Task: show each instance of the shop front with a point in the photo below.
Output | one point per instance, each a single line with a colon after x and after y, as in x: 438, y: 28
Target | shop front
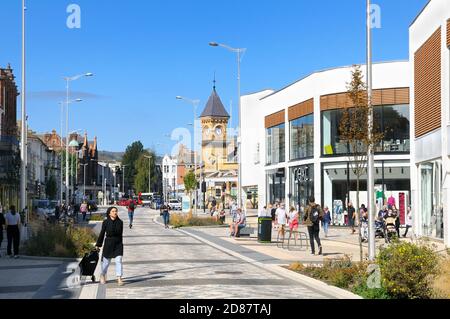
x: 431, y: 215
x: 276, y: 181
x: 339, y: 187
x: 301, y: 185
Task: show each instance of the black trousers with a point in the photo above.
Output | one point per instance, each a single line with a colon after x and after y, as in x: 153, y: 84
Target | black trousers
x: 314, y: 234
x: 13, y: 235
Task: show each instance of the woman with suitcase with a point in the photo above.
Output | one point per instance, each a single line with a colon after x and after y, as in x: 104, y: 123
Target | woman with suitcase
x: 111, y: 234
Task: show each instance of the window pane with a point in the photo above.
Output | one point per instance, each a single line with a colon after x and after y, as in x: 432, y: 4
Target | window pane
x: 275, y: 144
x: 396, y: 128
x: 302, y: 137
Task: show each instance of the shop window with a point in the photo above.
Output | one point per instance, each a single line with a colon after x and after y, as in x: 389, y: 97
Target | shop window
x: 302, y: 137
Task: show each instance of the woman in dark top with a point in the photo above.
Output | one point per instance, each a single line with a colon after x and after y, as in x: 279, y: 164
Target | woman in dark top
x: 112, y: 230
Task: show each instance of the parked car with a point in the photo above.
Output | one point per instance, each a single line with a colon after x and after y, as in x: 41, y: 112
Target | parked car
x: 175, y: 204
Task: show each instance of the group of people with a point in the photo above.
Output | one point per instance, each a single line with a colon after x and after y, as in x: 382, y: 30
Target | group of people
x: 390, y: 215
x: 11, y: 221
x: 311, y: 216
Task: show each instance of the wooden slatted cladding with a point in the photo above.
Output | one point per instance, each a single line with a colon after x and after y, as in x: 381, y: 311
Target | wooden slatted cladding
x: 301, y: 109
x: 275, y: 119
x: 448, y: 33
x: 379, y: 97
x: 427, y: 83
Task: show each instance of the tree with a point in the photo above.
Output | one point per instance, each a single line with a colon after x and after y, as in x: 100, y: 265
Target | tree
x: 142, y: 170
x: 132, y: 154
x: 354, y: 131
x: 190, y: 184
x: 51, y: 188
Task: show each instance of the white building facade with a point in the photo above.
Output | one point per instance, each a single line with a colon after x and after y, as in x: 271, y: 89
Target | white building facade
x: 292, y: 149
x: 430, y: 107
x: 169, y: 170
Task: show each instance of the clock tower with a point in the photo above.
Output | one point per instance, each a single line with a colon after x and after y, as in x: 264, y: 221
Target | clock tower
x: 214, y: 121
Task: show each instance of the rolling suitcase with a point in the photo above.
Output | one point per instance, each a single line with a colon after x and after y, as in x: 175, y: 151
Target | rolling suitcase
x: 88, y: 264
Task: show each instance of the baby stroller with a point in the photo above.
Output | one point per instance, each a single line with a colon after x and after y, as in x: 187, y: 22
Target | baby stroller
x: 379, y: 228
x: 364, y: 230
x: 390, y: 230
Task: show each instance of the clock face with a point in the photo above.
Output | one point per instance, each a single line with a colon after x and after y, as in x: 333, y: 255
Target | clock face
x: 219, y: 131
x: 207, y: 131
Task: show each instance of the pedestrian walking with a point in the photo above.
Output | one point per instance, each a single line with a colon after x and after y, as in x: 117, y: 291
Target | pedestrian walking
x: 293, y: 222
x: 351, y: 215
x: 165, y: 213
x: 12, y: 232
x: 281, y: 220
x: 131, y: 208
x: 313, y: 216
x: 326, y: 220
x: 397, y: 223
x: 84, y: 210
x: 408, y: 221
x: 2, y: 225
x: 111, y: 238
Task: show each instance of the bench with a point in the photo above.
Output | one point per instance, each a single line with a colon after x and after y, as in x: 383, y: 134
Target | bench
x: 247, y: 231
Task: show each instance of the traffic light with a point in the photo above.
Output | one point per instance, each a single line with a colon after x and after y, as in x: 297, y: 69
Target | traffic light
x: 204, y: 187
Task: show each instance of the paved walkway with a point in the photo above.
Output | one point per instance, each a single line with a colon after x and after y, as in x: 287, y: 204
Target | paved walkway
x: 163, y: 263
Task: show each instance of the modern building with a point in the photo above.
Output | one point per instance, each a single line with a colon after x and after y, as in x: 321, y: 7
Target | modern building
x: 9, y: 143
x: 292, y: 148
x: 429, y: 37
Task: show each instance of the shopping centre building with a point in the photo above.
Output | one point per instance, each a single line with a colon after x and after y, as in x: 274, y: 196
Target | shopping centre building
x: 292, y: 148
x: 430, y: 81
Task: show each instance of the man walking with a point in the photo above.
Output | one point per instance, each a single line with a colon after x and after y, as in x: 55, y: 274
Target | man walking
x: 131, y: 208
x: 312, y: 218
x: 351, y: 216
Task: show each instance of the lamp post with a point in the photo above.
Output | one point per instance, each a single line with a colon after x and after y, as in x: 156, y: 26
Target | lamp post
x: 195, y: 104
x: 239, y: 52
x: 123, y: 178
x: 23, y: 135
x: 68, y: 80
x: 370, y: 155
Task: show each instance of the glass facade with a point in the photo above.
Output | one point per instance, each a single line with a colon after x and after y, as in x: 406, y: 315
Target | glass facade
x: 275, y: 144
x: 339, y: 186
x: 302, y: 137
x: 302, y: 185
x: 392, y: 120
x: 431, y: 206
x: 276, y: 181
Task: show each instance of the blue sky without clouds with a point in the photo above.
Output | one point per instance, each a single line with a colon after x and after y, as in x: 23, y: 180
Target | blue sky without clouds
x: 146, y: 52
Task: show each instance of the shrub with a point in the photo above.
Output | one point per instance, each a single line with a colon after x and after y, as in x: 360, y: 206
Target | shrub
x: 441, y: 285
x: 56, y: 241
x: 180, y: 220
x: 408, y: 270
x: 297, y: 266
x: 370, y: 293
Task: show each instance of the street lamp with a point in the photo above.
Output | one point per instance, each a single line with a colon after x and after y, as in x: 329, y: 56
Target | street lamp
x: 68, y: 80
x: 239, y: 52
x: 195, y: 104
x: 23, y: 136
x: 62, y: 144
x: 123, y: 178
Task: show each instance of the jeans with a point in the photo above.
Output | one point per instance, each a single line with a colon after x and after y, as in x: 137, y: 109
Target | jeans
x: 13, y: 235
x: 166, y: 217
x: 325, y: 228
x: 130, y: 217
x: 314, y: 234
x: 119, y: 267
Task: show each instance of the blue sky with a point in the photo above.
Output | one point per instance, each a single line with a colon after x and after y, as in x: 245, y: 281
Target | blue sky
x: 146, y: 52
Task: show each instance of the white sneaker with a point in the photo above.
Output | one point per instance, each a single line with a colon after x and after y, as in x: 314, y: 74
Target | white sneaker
x: 103, y: 279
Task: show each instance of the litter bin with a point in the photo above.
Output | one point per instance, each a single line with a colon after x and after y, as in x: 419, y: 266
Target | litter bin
x: 265, y: 229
